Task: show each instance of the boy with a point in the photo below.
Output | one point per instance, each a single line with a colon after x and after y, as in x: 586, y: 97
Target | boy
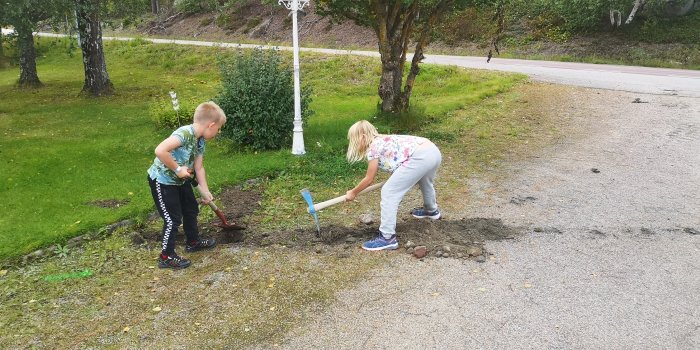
x: 170, y: 179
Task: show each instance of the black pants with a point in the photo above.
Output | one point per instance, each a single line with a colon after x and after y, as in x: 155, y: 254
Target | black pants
x: 175, y: 204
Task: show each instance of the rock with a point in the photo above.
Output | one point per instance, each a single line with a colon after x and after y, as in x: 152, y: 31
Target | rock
x: 447, y: 249
x: 366, y: 219
x: 420, y: 251
x: 75, y: 241
x: 319, y: 250
x: 445, y: 255
x: 460, y: 255
x: 474, y: 251
x: 439, y: 253
x: 410, y: 244
x: 691, y: 231
x: 480, y: 259
x: 350, y: 239
x: 538, y: 229
x: 409, y: 250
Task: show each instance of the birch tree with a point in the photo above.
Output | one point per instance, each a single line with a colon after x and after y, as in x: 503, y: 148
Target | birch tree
x: 24, y: 15
x: 97, y: 81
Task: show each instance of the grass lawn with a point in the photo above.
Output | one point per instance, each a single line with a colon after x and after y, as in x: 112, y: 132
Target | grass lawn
x: 64, y: 152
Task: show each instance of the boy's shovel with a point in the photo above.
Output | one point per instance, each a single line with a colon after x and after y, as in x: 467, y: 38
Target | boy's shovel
x: 314, y: 208
x: 224, y: 224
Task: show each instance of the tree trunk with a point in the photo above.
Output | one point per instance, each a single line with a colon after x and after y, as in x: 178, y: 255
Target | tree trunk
x: 393, y: 33
x: 2, y: 48
x: 155, y: 7
x: 97, y: 81
x: 28, y: 77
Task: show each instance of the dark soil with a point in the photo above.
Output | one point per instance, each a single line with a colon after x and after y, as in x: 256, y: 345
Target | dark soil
x: 463, y: 238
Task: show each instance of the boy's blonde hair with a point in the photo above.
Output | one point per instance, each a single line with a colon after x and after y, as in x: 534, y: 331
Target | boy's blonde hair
x: 360, y: 136
x: 209, y: 112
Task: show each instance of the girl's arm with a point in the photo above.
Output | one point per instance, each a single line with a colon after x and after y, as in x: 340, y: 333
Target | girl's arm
x: 372, y: 167
x: 201, y: 175
x: 163, y: 153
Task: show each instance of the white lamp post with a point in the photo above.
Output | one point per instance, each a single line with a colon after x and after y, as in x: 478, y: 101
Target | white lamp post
x: 298, y: 141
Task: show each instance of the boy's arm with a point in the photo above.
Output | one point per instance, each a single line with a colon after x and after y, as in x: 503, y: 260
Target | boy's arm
x: 201, y: 176
x: 372, y: 167
x: 163, y: 153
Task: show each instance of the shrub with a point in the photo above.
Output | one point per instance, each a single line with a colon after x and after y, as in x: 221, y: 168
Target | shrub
x: 164, y: 116
x: 258, y: 98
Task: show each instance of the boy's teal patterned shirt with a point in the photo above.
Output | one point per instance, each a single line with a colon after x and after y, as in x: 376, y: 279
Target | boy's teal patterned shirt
x: 190, y: 148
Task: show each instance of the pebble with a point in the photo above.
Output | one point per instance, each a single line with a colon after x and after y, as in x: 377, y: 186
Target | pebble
x: 410, y: 244
x: 366, y: 219
x: 480, y: 259
x: 420, y: 251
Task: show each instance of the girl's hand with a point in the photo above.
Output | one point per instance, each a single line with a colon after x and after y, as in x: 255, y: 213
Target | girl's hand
x: 350, y: 195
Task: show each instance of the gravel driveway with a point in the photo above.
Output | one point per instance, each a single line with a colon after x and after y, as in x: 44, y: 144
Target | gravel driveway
x: 608, y: 258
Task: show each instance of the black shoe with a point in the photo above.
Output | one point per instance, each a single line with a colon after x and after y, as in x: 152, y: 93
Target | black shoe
x: 173, y: 262
x: 200, y: 244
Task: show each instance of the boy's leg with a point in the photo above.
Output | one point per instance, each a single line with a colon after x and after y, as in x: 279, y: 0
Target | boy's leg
x: 190, y: 211
x: 167, y: 200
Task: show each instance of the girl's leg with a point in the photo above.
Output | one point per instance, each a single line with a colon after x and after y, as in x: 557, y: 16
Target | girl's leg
x: 393, y: 191
x: 426, y: 182
x: 167, y: 200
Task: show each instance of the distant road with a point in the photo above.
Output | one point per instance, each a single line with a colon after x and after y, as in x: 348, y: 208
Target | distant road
x: 659, y: 81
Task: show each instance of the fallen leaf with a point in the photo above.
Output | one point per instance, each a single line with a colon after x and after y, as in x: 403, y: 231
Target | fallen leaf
x: 272, y: 308
x: 3, y: 272
x: 157, y: 309
x: 482, y: 289
x: 527, y: 285
x: 228, y: 269
x: 126, y: 329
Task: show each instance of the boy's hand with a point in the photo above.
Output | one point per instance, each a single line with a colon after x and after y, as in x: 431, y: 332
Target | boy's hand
x: 206, y: 197
x: 184, y: 172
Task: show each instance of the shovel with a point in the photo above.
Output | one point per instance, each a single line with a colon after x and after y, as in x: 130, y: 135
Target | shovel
x: 314, y: 208
x: 224, y: 224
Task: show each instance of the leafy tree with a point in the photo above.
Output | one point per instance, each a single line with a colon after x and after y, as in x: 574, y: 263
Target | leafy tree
x: 397, y: 23
x: 97, y: 81
x: 24, y: 15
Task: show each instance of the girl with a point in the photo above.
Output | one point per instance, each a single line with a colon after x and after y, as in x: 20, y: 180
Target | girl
x: 410, y: 160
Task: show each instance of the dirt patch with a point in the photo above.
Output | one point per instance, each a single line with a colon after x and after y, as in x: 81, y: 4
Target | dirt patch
x: 463, y: 238
x: 109, y: 203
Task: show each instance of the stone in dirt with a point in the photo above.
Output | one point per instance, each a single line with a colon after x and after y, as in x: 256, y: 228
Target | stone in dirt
x: 420, y: 251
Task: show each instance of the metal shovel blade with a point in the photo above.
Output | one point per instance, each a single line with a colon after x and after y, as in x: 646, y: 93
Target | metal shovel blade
x: 307, y: 197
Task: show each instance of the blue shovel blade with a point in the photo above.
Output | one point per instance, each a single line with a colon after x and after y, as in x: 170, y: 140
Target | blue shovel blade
x: 307, y: 197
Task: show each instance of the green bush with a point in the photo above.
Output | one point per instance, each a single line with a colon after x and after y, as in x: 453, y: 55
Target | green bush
x: 258, y: 98
x: 164, y: 116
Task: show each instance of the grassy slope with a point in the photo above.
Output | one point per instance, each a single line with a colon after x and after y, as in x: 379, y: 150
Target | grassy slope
x: 66, y: 151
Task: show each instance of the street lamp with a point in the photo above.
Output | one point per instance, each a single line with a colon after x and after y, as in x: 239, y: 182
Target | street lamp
x: 298, y: 141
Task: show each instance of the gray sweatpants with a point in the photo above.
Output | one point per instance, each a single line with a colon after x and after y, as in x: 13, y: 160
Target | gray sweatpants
x: 419, y: 169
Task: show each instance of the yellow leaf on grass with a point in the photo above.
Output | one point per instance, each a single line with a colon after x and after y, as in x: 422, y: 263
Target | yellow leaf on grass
x: 126, y: 329
x: 157, y: 309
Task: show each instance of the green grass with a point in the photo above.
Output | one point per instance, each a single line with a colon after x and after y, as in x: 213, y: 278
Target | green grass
x: 64, y: 151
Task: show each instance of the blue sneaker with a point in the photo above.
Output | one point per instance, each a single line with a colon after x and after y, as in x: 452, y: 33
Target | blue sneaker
x: 421, y: 213
x: 381, y: 243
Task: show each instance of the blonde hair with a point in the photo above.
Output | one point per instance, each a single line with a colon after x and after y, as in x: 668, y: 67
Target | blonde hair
x: 209, y: 112
x: 360, y: 136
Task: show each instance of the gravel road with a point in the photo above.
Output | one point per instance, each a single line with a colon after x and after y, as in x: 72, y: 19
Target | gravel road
x: 608, y: 257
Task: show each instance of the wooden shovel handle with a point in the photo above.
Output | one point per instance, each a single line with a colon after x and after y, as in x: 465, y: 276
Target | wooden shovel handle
x: 336, y: 200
